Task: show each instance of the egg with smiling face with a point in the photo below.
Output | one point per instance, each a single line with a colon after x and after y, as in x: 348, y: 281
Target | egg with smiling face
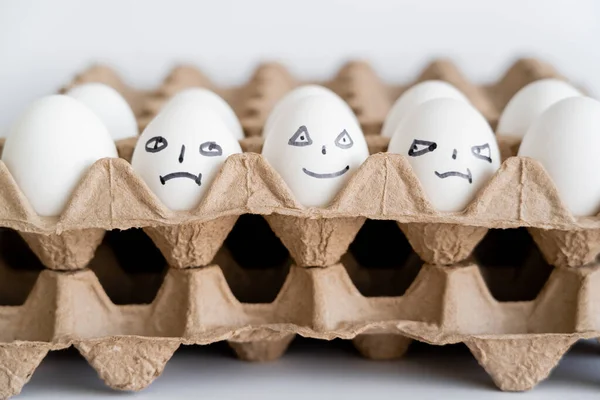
x: 451, y: 149
x: 297, y: 94
x: 315, y: 144
x: 181, y: 151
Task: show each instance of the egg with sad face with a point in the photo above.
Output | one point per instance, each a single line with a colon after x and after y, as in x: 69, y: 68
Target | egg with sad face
x: 315, y: 144
x: 451, y: 149
x: 181, y: 151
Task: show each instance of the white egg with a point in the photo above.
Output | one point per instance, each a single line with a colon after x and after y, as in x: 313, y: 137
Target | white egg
x: 181, y: 151
x: 206, y: 99
x: 451, y: 149
x: 565, y: 139
x: 415, y: 96
x: 50, y: 148
x: 296, y: 94
x: 109, y: 106
x: 316, y: 144
x: 529, y: 103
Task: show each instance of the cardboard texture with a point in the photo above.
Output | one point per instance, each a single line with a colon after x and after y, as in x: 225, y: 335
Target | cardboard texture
x: 380, y: 265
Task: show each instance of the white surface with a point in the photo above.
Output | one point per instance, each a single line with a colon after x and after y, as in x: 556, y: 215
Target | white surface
x: 43, y: 43
x: 320, y: 370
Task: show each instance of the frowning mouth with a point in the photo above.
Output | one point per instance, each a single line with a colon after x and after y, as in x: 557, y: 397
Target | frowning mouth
x: 326, y: 175
x: 457, y: 174
x: 173, y: 175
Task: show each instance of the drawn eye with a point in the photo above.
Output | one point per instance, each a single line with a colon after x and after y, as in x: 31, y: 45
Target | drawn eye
x: 301, y: 138
x: 482, y: 152
x: 210, y: 149
x: 420, y: 147
x: 156, y: 144
x: 343, y: 140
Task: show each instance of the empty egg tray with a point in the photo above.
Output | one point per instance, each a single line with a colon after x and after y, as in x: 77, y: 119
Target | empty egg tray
x: 322, y: 290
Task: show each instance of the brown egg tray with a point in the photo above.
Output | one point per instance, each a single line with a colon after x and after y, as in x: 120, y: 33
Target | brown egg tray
x: 252, y: 266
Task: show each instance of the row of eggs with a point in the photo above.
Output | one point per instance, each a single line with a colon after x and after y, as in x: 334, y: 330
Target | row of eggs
x: 312, y: 138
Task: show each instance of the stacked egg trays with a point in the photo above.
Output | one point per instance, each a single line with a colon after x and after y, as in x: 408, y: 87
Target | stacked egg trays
x: 252, y: 266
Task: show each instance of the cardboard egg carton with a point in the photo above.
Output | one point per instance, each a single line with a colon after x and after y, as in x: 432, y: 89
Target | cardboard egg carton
x: 441, y: 293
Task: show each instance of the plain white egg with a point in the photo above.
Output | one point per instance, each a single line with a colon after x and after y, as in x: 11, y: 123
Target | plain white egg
x: 315, y: 144
x: 529, y: 103
x: 452, y: 150
x: 109, y: 106
x: 50, y: 148
x: 296, y: 94
x: 565, y: 139
x: 205, y: 99
x: 415, y: 96
x: 181, y: 151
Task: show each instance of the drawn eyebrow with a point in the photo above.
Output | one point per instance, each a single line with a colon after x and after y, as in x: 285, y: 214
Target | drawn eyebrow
x: 415, y: 150
x: 302, y: 134
x: 476, y: 151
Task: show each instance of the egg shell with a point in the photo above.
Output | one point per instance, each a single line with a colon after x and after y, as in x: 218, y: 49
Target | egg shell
x: 415, y: 96
x: 51, y: 147
x: 297, y: 94
x: 316, y: 144
x: 109, y: 106
x: 180, y: 167
x: 452, y: 150
x: 206, y: 99
x: 529, y: 103
x: 565, y: 139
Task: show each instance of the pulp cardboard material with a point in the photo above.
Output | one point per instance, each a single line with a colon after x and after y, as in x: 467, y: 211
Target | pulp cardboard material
x: 328, y: 293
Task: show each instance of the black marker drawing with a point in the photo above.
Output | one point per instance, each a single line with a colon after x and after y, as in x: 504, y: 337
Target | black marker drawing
x: 323, y: 150
x: 448, y: 174
x: 343, y: 140
x: 326, y: 175
x: 301, y: 138
x: 420, y: 147
x: 182, y: 153
x: 156, y: 144
x: 482, y: 152
x: 173, y: 175
x: 210, y: 149
x: 454, y: 154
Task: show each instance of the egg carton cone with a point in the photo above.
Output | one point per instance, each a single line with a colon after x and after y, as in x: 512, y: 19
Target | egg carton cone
x: 443, y: 292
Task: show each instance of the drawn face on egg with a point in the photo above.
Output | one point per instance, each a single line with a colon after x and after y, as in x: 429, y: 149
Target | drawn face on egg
x: 295, y: 95
x: 180, y: 152
x: 315, y: 144
x: 452, y: 150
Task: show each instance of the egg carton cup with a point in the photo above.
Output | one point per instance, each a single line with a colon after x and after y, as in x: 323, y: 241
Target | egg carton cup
x: 518, y: 343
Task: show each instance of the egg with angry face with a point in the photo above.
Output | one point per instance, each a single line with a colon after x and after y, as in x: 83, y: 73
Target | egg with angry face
x: 181, y: 151
x: 415, y: 96
x: 315, y: 144
x: 451, y: 149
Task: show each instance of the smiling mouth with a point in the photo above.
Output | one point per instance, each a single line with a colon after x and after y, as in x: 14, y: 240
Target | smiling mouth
x: 327, y: 175
x: 457, y: 174
x: 173, y: 175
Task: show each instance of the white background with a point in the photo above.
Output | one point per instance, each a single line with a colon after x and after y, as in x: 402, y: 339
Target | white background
x: 43, y: 43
